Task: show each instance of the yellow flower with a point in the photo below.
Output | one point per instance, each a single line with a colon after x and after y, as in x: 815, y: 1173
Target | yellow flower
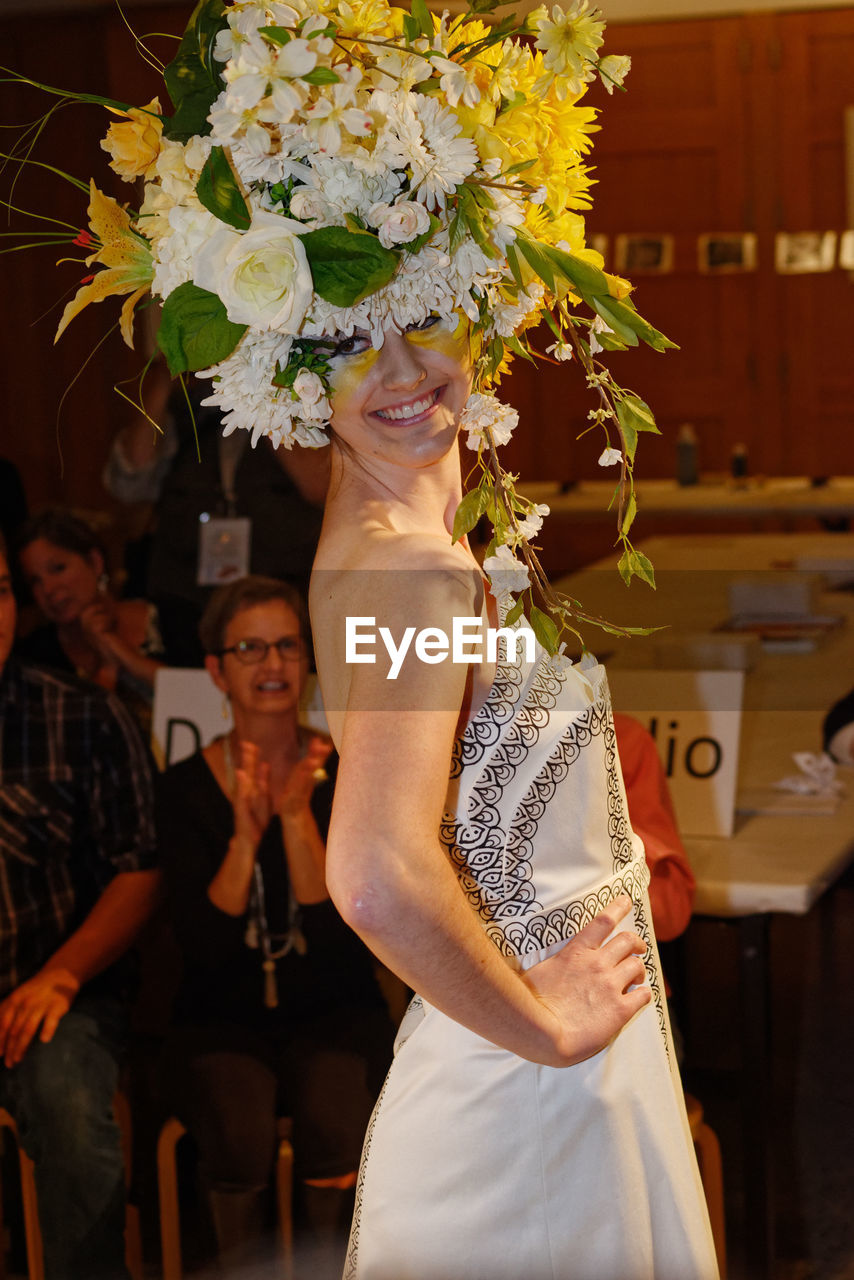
x: 123, y: 253
x: 364, y: 18
x: 617, y: 286
x: 135, y: 146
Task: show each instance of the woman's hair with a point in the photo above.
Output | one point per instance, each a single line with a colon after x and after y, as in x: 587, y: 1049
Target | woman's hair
x: 245, y: 593
x: 62, y: 529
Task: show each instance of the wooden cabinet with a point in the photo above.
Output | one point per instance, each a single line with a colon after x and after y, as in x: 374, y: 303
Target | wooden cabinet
x: 729, y: 125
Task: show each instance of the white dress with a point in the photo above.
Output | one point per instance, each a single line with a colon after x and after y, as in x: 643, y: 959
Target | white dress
x: 480, y: 1165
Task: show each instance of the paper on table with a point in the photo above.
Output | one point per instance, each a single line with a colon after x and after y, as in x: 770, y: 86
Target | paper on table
x: 770, y: 801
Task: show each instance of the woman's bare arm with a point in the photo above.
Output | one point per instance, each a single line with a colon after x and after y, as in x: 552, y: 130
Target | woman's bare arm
x: 391, y: 880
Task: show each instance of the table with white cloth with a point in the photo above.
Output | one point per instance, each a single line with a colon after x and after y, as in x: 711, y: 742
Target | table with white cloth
x: 772, y: 862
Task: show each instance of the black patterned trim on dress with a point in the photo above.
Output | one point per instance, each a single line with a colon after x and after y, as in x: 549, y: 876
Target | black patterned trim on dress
x: 559, y: 924
x: 477, y: 846
x: 351, y: 1266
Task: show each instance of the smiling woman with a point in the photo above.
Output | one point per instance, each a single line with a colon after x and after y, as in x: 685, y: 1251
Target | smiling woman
x: 538, y: 1045
x: 278, y: 1007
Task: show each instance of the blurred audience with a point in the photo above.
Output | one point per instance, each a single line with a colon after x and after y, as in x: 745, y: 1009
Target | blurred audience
x: 195, y: 478
x: 115, y: 643
x: 279, y: 1011
x: 76, y: 851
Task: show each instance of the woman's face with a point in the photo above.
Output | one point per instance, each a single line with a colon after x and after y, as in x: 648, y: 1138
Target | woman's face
x: 63, y: 582
x: 402, y: 403
x: 268, y: 683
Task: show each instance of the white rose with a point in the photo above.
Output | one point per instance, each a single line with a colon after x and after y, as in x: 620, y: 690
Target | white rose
x: 308, y: 386
x: 308, y: 205
x: 262, y: 276
x: 399, y: 223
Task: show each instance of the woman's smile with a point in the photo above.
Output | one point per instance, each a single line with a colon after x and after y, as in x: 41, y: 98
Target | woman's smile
x: 414, y: 410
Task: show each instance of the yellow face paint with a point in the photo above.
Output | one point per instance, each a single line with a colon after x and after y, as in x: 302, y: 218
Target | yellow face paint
x: 347, y: 373
x: 450, y: 336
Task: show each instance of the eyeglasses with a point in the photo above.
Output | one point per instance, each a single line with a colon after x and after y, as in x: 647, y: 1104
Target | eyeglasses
x: 252, y: 651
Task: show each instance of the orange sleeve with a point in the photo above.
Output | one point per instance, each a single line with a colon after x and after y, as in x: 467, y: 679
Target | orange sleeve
x: 672, y: 884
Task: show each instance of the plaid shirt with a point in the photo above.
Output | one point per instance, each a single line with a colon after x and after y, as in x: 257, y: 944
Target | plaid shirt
x: 75, y: 809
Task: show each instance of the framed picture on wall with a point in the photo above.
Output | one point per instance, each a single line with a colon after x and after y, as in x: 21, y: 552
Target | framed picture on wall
x: 804, y: 252
x: 720, y: 252
x: 637, y: 254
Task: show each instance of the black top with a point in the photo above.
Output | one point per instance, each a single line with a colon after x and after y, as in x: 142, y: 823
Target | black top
x: 75, y: 809
x: 223, y: 979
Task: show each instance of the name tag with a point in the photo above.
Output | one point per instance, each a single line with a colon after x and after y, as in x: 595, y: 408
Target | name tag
x: 224, y: 546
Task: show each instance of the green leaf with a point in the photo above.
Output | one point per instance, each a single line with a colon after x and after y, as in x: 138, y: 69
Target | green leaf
x: 410, y: 28
x: 631, y: 512
x: 642, y: 566
x: 494, y: 355
x: 195, y: 331
x: 421, y: 14
x: 626, y: 319
x: 484, y: 6
x: 278, y: 35
x: 630, y: 438
x: 471, y: 215
x: 321, y: 75
x: 469, y: 511
x: 219, y: 191
x: 456, y: 231
x: 347, y: 266
x: 610, y: 342
x: 513, y: 263
x: 544, y: 629
x: 635, y: 411
x: 523, y: 164
x: 608, y: 310
x: 587, y: 278
x: 193, y: 76
x: 515, y: 345
x: 534, y: 255
x: 636, y: 564
x: 515, y: 613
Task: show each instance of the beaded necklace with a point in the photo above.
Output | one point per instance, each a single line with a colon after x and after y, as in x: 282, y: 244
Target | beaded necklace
x: 258, y: 935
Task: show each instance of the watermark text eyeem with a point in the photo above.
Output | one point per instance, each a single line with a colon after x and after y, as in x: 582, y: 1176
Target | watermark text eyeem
x: 469, y: 642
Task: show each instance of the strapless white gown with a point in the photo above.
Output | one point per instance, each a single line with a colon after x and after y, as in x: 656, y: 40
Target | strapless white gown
x: 480, y: 1165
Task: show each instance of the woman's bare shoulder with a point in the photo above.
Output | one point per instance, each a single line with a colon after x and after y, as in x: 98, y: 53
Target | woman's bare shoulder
x: 390, y: 569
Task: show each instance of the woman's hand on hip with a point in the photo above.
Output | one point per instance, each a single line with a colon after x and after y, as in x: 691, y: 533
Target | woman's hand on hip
x: 593, y: 984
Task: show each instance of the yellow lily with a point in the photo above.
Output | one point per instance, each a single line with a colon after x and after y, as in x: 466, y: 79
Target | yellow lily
x: 125, y: 255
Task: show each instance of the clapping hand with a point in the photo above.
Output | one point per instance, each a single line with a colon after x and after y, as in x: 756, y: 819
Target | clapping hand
x: 251, y: 802
x: 295, y: 797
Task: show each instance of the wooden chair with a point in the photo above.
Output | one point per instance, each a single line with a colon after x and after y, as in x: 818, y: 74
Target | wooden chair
x: 708, y: 1151
x: 167, y: 1187
x: 30, y: 1204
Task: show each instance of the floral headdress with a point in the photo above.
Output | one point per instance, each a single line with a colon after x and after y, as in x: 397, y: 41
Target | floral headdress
x: 333, y: 165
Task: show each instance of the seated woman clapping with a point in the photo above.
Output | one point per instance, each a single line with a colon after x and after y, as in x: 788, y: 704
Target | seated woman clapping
x: 278, y: 1011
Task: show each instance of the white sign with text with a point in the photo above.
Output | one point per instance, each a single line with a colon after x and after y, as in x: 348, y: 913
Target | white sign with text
x: 695, y: 719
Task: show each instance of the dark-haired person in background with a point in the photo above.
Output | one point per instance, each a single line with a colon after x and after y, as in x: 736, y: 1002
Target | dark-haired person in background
x: 76, y: 852
x: 115, y: 643
x: 194, y: 478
